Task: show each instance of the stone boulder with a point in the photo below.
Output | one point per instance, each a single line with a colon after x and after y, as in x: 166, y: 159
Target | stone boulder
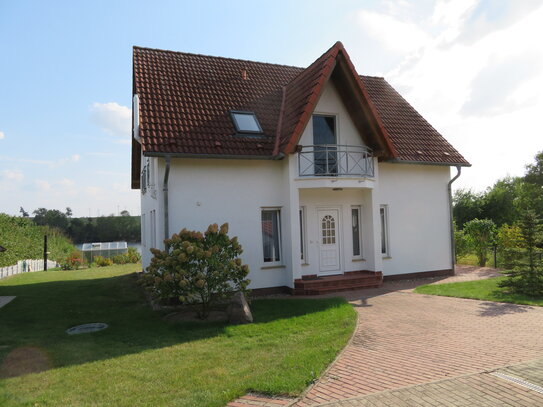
x: 238, y: 310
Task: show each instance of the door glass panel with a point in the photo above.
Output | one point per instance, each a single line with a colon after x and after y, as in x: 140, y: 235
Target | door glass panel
x: 328, y: 230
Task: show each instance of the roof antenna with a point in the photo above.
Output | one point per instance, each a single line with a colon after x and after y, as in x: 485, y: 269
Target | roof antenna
x: 244, y: 74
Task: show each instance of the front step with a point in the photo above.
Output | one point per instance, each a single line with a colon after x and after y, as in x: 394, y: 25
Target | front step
x: 352, y: 280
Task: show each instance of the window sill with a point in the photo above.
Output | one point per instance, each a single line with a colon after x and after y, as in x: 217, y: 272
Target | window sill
x: 387, y: 257
x: 305, y: 264
x: 273, y: 266
x: 358, y: 259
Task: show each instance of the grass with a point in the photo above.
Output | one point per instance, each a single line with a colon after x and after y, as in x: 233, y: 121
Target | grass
x: 142, y: 360
x: 486, y: 290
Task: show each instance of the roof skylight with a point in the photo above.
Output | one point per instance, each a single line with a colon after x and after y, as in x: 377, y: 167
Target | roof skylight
x: 246, y: 122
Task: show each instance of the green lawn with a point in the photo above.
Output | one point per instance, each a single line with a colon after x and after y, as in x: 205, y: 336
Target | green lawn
x: 479, y: 290
x: 140, y: 360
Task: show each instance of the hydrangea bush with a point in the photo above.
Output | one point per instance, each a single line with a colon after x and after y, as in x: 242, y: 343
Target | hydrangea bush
x: 198, y: 269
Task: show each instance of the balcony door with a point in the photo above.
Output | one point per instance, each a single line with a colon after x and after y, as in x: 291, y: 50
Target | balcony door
x: 325, y: 142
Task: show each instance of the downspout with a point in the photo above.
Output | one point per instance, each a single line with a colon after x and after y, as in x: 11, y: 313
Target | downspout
x: 165, y: 191
x: 449, y: 190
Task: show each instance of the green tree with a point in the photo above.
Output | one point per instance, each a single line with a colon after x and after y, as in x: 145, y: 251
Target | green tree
x: 534, y: 172
x: 527, y: 279
x: 481, y: 234
x: 499, y: 201
x: 509, y: 242
x: 51, y: 217
x: 467, y: 205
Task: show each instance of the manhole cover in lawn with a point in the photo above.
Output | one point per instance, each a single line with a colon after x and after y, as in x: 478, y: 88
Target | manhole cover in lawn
x: 86, y: 328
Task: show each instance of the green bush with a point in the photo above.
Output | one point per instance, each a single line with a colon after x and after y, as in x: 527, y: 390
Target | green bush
x: 481, y: 234
x: 100, y: 261
x: 133, y: 256
x: 198, y: 269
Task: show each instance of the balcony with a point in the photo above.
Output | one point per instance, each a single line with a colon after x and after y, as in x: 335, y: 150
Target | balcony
x: 333, y: 160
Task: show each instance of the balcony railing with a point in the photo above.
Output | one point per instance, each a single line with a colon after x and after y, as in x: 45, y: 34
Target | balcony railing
x: 332, y: 160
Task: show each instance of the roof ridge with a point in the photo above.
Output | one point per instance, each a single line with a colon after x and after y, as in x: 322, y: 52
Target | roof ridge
x: 216, y: 57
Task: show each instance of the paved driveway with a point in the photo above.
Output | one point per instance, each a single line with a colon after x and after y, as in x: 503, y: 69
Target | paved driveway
x: 405, y: 339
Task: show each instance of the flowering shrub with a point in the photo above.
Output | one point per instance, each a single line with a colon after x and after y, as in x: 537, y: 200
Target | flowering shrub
x: 198, y: 269
x: 73, y: 261
x: 131, y: 256
x: 100, y: 261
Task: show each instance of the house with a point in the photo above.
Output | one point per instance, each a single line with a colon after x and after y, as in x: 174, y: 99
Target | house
x: 319, y: 171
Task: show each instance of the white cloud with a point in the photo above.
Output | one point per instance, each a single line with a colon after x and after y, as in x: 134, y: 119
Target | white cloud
x: 43, y: 185
x: 2, y: 135
x: 13, y: 175
x: 483, y: 95
x: 114, y: 119
x: 395, y: 34
x: 51, y: 163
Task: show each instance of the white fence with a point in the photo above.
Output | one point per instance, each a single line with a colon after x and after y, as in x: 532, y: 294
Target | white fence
x: 25, y: 266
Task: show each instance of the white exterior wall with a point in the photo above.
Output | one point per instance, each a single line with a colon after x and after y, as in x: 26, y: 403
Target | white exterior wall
x: 330, y: 104
x: 418, y: 217
x: 206, y: 191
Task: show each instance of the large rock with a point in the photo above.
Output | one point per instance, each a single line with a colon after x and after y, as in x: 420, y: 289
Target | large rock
x: 238, y: 310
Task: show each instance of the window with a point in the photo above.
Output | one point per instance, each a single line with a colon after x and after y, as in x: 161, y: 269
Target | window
x: 302, y: 233
x: 325, y: 141
x: 271, y: 235
x: 383, y: 211
x: 355, y: 214
x: 246, y: 122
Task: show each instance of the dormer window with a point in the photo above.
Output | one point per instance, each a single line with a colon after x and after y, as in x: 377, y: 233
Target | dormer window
x: 245, y: 122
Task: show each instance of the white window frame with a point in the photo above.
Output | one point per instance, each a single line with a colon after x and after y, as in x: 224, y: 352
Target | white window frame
x: 279, y: 238
x: 360, y: 255
x: 143, y: 231
x: 384, y: 215
x: 303, y: 237
x: 153, y: 228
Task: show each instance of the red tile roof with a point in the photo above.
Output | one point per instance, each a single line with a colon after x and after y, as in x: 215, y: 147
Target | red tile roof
x: 185, y: 100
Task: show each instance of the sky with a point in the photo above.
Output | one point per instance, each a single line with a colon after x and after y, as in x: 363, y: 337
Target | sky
x: 472, y: 68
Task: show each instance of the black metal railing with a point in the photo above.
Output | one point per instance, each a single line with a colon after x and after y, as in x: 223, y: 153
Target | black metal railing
x: 332, y: 160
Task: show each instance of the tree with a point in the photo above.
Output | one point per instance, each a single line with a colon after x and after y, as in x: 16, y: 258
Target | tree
x: 499, y: 201
x: 68, y: 212
x: 467, y: 205
x: 51, y: 217
x: 509, y: 243
x: 125, y: 213
x: 481, y: 233
x: 198, y: 269
x: 527, y: 279
x: 534, y: 172
x: 24, y: 213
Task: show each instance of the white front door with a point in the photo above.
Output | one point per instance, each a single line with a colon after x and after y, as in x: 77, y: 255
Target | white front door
x: 328, y: 240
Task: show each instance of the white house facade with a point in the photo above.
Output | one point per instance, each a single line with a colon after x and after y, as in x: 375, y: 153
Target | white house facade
x: 337, y: 195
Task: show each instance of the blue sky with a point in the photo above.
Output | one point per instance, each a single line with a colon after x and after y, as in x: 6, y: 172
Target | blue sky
x: 66, y: 71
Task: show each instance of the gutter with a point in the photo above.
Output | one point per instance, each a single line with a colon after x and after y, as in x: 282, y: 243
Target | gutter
x: 449, y: 191
x: 166, y: 203
x: 444, y: 164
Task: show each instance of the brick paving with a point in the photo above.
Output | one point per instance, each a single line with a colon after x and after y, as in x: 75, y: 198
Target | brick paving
x: 405, y: 339
x: 480, y: 389
x: 419, y: 350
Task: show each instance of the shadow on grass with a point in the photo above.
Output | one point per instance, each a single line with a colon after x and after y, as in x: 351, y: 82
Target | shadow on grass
x: 38, y: 318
